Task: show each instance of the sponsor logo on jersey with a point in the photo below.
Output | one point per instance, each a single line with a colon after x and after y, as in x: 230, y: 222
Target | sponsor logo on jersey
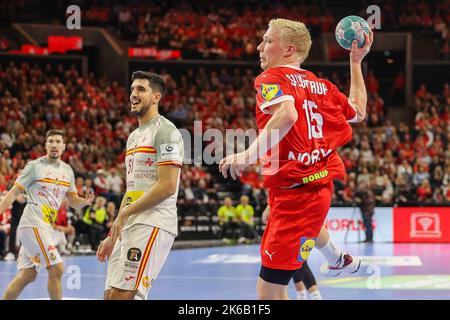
x: 270, y: 91
x: 316, y: 176
x: 306, y: 246
x: 133, y: 196
x: 129, y: 278
x: 169, y: 148
x: 49, y: 214
x: 128, y: 201
x: 131, y: 266
x: 149, y: 162
x: 144, y: 176
x: 50, y: 248
x: 146, y: 163
x: 145, y: 282
x: 269, y: 254
x: 169, y: 151
x: 134, y: 254
x: 36, y: 259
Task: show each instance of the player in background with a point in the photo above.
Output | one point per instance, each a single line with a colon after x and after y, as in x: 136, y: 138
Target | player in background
x: 306, y: 119
x: 146, y: 226
x: 305, y: 283
x: 47, y: 181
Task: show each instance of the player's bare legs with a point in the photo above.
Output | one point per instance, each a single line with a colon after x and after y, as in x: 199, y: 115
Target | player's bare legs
x: 119, y: 294
x: 323, y: 238
x: 54, y: 286
x: 301, y: 291
x: 20, y: 281
x: 271, y: 291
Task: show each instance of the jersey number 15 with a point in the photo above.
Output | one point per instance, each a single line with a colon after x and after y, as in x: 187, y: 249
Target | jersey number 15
x: 314, y: 130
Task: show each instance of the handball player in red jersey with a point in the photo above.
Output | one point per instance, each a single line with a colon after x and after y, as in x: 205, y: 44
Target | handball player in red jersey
x: 302, y: 121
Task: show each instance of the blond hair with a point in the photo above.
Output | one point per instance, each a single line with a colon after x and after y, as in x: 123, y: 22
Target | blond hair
x: 295, y: 33
x: 244, y: 197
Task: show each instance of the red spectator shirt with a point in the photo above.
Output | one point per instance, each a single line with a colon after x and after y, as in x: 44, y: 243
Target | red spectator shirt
x: 62, y: 219
x: 5, y: 217
x: 307, y: 154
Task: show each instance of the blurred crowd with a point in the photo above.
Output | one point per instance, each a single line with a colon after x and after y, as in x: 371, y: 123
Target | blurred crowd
x: 204, y: 29
x: 425, y: 17
x: 402, y: 164
x: 232, y: 29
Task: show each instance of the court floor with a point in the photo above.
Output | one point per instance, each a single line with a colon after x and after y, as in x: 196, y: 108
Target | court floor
x: 390, y: 271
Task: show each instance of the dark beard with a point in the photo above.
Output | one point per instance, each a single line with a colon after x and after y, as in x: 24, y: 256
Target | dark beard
x: 141, y: 112
x: 53, y: 157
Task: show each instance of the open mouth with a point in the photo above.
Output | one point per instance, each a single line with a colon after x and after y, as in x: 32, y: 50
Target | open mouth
x: 135, y: 102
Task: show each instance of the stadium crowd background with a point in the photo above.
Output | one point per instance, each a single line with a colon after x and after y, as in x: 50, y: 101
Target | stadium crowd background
x: 228, y: 29
x: 404, y: 164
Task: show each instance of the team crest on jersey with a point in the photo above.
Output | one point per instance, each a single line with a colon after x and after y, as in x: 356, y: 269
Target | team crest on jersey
x: 134, y: 254
x: 270, y: 91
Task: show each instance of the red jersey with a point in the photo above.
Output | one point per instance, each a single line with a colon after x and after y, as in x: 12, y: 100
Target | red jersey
x: 307, y: 154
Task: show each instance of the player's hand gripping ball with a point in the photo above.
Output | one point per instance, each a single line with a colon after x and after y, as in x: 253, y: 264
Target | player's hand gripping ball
x: 351, y: 28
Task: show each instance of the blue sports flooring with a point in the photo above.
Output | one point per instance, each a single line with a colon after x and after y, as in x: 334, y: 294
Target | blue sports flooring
x: 390, y: 271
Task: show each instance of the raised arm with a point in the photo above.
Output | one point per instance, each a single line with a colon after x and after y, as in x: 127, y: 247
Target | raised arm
x: 358, y: 94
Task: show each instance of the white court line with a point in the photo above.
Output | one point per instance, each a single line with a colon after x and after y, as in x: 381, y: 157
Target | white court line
x: 90, y: 275
x: 393, y: 261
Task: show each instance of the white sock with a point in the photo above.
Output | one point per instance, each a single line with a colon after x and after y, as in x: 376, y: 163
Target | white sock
x: 302, y: 295
x: 315, y: 295
x: 331, y: 252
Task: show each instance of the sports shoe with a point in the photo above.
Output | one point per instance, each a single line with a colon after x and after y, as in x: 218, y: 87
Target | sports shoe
x: 345, y: 265
x: 10, y: 257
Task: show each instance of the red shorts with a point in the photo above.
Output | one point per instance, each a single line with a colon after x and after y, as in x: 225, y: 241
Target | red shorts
x: 296, y: 217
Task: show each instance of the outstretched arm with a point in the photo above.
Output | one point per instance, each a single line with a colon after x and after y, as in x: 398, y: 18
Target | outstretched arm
x: 9, y: 198
x: 76, y: 202
x: 358, y: 94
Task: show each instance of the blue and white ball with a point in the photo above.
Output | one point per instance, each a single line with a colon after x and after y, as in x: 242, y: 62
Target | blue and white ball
x: 351, y: 28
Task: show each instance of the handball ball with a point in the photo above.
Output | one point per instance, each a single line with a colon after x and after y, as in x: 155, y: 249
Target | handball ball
x: 351, y: 28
